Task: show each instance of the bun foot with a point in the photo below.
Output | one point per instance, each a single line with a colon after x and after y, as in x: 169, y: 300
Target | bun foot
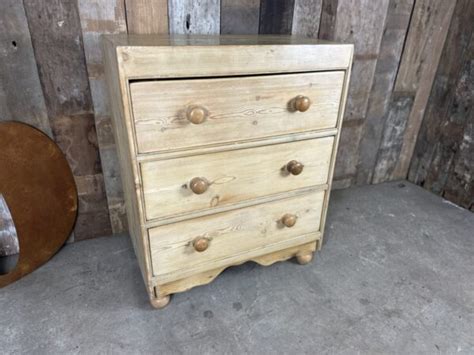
x: 304, y: 259
x: 160, y: 303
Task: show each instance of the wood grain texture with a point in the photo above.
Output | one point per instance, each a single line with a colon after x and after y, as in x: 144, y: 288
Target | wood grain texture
x: 263, y: 109
x: 276, y: 16
x: 99, y: 17
x: 234, y: 176
x: 361, y: 23
x: 57, y: 41
x: 194, y: 16
x: 203, y: 278
x: 147, y: 16
x: 21, y: 95
x: 160, y: 57
x: 392, y: 139
x: 426, y: 38
x: 327, y: 26
x: 122, y: 129
x: 234, y: 236
x: 240, y: 16
x: 393, y: 39
x: 306, y: 18
x: 440, y: 162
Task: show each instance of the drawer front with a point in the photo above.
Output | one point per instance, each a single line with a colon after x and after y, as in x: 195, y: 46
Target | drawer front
x: 232, y: 176
x: 231, y: 109
x: 233, y: 236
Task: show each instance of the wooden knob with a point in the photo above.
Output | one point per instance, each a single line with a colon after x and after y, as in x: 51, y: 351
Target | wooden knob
x: 302, y: 103
x: 294, y: 167
x: 198, y: 185
x: 201, y: 244
x: 289, y: 220
x: 196, y: 114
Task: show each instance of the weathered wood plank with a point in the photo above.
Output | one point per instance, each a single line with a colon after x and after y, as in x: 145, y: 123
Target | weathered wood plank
x: 147, y: 16
x: 97, y: 18
x: 360, y: 22
x: 240, y: 16
x: 306, y: 18
x: 194, y: 17
x: 442, y: 94
x: 443, y: 159
x: 57, y: 42
x: 394, y: 34
x: 276, y: 16
x: 423, y: 48
x: 392, y: 138
x: 327, y: 25
x: 346, y: 161
x: 21, y: 95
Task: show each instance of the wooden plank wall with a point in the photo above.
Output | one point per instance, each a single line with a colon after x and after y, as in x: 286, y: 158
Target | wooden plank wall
x: 52, y: 76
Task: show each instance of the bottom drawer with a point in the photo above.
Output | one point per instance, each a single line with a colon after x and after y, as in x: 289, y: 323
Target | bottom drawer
x: 233, y: 236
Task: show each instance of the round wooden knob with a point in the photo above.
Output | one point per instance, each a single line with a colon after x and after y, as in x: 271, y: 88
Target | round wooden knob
x: 289, y: 220
x: 294, y: 167
x: 201, y: 244
x: 302, y: 103
x: 198, y: 185
x: 196, y: 114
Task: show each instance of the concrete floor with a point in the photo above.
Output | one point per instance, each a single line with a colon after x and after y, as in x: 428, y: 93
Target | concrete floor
x: 395, y: 276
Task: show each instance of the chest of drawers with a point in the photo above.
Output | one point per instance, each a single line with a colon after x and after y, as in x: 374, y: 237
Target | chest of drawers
x: 226, y: 146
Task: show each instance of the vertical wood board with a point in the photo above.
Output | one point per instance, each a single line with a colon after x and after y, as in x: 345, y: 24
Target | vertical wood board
x: 426, y: 38
x: 194, y: 17
x: 21, y: 95
x: 240, y: 16
x: 306, y: 18
x: 104, y: 17
x: 147, y: 16
x: 394, y: 34
x: 276, y: 16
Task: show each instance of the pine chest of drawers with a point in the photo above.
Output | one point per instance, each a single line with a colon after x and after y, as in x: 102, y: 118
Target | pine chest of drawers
x: 227, y: 147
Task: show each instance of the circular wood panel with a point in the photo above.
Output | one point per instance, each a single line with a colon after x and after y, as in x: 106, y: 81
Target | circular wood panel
x: 39, y: 189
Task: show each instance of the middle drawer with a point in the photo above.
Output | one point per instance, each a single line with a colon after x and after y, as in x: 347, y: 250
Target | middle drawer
x: 201, y: 182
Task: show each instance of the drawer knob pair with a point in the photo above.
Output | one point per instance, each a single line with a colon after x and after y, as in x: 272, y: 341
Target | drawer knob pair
x: 196, y: 114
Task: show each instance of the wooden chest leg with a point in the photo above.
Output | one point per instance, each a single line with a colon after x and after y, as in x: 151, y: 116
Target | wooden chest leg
x: 304, y: 259
x: 160, y: 302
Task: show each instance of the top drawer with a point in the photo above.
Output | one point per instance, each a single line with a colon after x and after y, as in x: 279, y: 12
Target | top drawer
x: 231, y: 109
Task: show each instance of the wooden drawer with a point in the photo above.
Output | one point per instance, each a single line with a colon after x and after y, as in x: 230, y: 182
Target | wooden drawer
x: 233, y: 176
x: 233, y: 236
x: 239, y: 108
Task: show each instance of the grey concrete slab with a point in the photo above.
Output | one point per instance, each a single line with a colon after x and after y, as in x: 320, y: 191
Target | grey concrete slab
x: 395, y: 276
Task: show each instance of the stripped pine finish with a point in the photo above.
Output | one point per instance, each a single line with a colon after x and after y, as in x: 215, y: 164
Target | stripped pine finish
x: 233, y: 176
x: 261, y: 110
x: 388, y: 65
x: 224, y: 182
x: 232, y: 236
